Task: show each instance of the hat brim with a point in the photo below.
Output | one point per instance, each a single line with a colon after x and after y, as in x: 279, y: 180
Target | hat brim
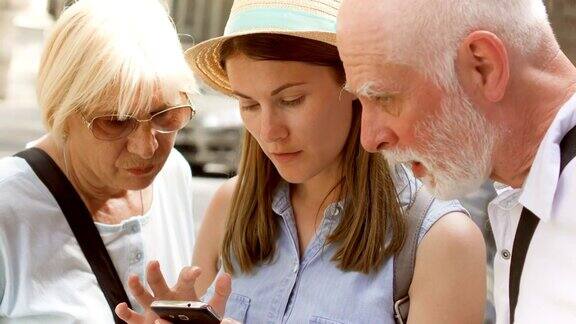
x: 204, y: 58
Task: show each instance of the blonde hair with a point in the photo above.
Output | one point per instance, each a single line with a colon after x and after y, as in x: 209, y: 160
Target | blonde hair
x: 373, y: 228
x: 117, y: 56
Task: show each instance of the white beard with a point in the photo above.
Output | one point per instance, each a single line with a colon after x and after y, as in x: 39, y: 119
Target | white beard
x: 458, y: 159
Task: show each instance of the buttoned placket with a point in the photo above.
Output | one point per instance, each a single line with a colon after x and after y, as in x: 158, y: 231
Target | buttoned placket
x: 282, y: 208
x: 331, y: 214
x: 283, y: 300
x: 136, y: 255
x: 504, y: 214
x: 506, y: 210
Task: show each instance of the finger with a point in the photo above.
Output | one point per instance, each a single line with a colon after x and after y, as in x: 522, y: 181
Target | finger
x: 156, y: 280
x: 184, y: 288
x: 143, y: 297
x: 229, y: 321
x: 128, y: 315
x: 222, y: 291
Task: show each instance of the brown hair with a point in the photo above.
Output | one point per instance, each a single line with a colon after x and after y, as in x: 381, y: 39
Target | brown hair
x: 372, y: 209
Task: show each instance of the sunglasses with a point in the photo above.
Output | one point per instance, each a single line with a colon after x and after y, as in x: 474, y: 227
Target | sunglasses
x: 114, y: 127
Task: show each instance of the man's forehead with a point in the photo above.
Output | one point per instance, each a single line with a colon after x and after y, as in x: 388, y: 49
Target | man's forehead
x: 362, y: 11
x: 363, y: 40
x: 370, y: 26
x: 380, y: 76
x: 362, y: 51
x: 367, y: 16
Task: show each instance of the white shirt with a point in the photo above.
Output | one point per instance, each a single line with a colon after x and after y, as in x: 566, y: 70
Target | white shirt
x: 44, y: 276
x: 548, y: 285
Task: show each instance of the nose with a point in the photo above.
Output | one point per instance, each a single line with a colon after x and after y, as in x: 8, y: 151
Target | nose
x: 375, y: 134
x: 272, y: 126
x: 142, y: 141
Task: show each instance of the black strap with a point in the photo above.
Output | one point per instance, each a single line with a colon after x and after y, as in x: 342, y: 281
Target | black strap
x: 527, y: 227
x: 524, y: 232
x: 81, y: 223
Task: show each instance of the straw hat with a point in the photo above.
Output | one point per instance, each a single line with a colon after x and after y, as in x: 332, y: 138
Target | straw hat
x: 312, y: 19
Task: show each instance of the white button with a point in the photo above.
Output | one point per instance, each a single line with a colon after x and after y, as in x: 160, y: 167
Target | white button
x: 137, y: 257
x: 295, y: 269
x: 506, y: 254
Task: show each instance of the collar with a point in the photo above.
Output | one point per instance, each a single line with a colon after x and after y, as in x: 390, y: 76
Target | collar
x: 507, y: 197
x: 539, y: 190
x: 281, y: 198
x: 282, y: 206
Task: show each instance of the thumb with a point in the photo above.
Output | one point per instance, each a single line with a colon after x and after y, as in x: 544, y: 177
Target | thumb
x: 222, y: 291
x: 161, y: 321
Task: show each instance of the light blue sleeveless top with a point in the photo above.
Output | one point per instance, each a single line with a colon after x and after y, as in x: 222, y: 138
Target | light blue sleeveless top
x: 311, y: 288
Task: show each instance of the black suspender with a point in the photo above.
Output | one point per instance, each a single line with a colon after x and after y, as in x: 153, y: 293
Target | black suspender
x: 524, y: 232
x: 81, y: 223
x: 527, y: 227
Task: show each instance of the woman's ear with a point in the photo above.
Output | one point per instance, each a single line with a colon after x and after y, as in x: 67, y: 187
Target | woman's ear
x: 482, y: 66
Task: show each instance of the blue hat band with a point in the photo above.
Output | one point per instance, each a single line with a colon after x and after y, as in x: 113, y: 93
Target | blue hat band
x: 278, y: 19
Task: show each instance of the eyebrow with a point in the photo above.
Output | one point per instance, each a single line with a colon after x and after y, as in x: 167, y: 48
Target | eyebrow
x: 368, y: 90
x: 348, y: 88
x: 274, y: 92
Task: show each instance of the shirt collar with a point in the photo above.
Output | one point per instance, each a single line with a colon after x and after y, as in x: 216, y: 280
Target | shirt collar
x: 539, y: 190
x: 507, y: 197
x: 282, y: 206
x: 281, y: 198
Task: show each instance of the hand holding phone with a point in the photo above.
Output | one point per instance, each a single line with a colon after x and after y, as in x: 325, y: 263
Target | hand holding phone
x: 183, y: 290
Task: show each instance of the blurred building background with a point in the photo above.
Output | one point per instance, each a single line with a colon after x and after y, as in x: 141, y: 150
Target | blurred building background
x: 198, y: 20
x: 562, y: 15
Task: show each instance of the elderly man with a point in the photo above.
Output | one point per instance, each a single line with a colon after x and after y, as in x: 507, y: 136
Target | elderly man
x: 463, y: 90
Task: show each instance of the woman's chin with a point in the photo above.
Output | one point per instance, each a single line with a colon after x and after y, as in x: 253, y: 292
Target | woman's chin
x: 292, y: 176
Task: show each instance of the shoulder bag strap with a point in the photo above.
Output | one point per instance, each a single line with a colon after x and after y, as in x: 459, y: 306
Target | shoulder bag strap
x: 527, y: 226
x: 405, y: 259
x: 81, y: 223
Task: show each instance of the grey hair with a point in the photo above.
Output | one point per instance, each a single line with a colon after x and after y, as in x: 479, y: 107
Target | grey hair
x: 428, y: 37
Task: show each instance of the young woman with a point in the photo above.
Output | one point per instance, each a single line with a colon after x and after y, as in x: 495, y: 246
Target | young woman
x: 309, y: 228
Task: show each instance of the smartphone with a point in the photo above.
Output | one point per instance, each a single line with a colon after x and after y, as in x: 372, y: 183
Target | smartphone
x: 189, y: 312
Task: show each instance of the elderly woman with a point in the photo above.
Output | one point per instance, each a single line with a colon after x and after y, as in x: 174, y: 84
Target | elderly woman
x: 104, y: 192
